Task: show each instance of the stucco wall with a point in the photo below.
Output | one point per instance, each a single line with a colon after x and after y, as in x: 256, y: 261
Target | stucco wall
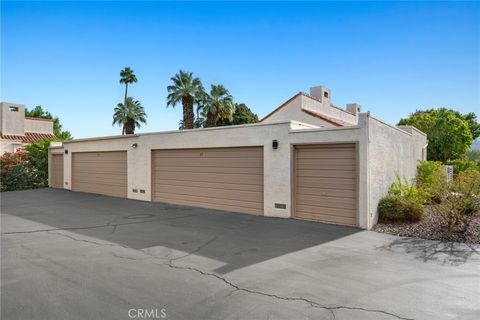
x: 9, y: 146
x: 12, y: 122
x: 327, y: 109
x: 391, y: 151
x: 381, y: 150
x: 38, y: 125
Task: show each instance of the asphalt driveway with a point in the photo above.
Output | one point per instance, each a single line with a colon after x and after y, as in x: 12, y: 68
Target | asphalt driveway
x: 70, y: 255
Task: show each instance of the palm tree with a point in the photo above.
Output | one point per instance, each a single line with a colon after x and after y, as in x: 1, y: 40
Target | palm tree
x: 129, y: 115
x: 218, y: 105
x: 189, y: 91
x: 127, y: 76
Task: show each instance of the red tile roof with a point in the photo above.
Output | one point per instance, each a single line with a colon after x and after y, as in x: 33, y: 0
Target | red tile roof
x: 29, y: 137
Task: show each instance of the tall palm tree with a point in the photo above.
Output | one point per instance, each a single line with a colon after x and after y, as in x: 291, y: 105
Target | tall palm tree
x: 187, y: 90
x: 127, y: 76
x: 218, y: 105
x: 130, y: 115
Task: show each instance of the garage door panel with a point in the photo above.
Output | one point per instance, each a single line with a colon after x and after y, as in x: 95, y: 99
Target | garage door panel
x: 211, y: 192
x: 221, y: 178
x: 200, y: 169
x: 212, y: 177
x: 314, y: 182
x: 56, y: 167
x: 325, y: 183
x: 203, y: 184
x: 321, y: 173
x: 100, y: 172
x: 210, y: 162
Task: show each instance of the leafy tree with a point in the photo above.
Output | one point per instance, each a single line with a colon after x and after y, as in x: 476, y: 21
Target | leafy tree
x: 218, y: 105
x: 16, y: 172
x: 37, y: 155
x: 189, y: 91
x: 473, y: 125
x: 449, y: 135
x: 242, y: 115
x: 38, y: 112
x: 129, y: 115
x: 127, y: 76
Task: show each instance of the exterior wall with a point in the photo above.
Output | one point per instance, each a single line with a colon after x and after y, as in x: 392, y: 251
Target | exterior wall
x: 12, y: 122
x: 9, y: 146
x: 38, y: 125
x: 381, y: 150
x: 391, y: 151
x: 328, y: 109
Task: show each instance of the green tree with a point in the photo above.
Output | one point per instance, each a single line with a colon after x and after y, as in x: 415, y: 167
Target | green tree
x: 127, y: 76
x: 242, y: 115
x: 189, y: 91
x: 38, y: 112
x: 130, y: 115
x: 218, y: 105
x: 37, y: 155
x: 449, y: 135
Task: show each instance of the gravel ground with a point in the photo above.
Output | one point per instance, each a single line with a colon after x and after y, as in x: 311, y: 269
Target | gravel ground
x: 430, y: 227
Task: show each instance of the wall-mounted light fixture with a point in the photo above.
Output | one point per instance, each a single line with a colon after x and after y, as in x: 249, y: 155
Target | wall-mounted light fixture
x: 275, y: 144
x: 134, y: 145
x: 66, y: 151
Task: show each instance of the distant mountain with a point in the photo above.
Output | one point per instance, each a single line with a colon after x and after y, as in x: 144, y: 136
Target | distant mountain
x: 476, y: 144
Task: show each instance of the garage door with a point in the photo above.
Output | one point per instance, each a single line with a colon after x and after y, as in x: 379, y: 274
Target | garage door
x: 56, y: 171
x: 325, y: 183
x: 100, y: 172
x: 222, y: 178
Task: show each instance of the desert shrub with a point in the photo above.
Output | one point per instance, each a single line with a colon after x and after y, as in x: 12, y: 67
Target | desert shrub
x: 463, y: 165
x: 403, y: 202
x: 405, y: 190
x: 460, y: 204
x: 16, y: 173
x: 395, y: 209
x: 431, y: 180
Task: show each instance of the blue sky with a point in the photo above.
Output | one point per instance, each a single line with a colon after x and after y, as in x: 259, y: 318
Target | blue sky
x: 392, y: 58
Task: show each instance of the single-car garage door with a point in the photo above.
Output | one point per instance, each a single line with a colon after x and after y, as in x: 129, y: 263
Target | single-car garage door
x: 56, y: 171
x: 100, y: 172
x: 325, y: 183
x: 228, y: 179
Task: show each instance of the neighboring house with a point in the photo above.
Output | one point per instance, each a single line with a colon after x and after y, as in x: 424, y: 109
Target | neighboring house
x: 308, y: 159
x: 16, y: 130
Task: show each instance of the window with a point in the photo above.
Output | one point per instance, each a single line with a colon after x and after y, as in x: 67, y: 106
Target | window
x: 13, y: 108
x: 325, y: 94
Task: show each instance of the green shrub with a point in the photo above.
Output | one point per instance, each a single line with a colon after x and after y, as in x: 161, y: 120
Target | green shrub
x: 462, y: 165
x: 16, y: 173
x: 37, y: 155
x: 396, y: 209
x: 405, y: 190
x: 431, y: 180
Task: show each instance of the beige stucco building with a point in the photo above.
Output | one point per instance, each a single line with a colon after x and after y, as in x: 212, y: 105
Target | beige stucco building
x: 308, y: 159
x: 16, y: 130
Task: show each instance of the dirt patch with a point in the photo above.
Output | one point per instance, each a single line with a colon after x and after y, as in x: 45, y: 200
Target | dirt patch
x: 430, y: 227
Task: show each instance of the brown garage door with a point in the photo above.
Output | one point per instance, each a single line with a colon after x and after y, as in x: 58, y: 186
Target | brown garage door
x: 100, y: 172
x: 56, y: 173
x: 221, y: 178
x: 325, y: 183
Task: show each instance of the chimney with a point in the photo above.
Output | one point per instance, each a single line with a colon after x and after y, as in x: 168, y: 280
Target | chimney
x: 322, y: 93
x: 354, y: 108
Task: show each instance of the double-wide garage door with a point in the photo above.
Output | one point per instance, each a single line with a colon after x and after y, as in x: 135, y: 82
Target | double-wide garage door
x: 325, y: 183
x: 220, y: 178
x: 100, y: 172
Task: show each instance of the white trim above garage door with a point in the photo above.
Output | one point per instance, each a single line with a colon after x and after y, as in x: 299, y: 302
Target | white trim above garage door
x: 229, y: 179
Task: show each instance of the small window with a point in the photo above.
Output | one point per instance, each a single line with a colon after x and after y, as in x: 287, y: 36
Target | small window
x: 325, y: 94
x: 13, y: 108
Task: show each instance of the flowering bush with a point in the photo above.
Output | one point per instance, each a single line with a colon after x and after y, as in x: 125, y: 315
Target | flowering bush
x: 16, y: 173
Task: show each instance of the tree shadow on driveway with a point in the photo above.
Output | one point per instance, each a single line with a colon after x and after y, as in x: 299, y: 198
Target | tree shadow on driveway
x: 235, y: 240
x: 443, y: 252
